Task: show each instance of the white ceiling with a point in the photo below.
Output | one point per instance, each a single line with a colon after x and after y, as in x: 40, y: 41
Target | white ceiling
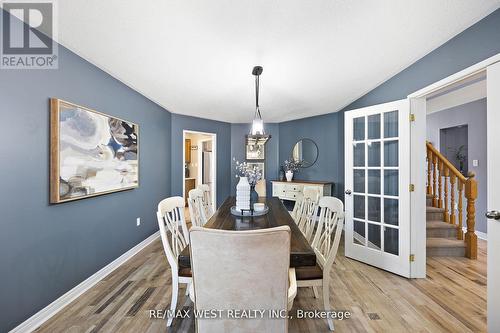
x: 196, y: 57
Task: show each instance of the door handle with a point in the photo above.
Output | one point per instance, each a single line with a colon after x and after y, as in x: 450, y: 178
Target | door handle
x: 493, y: 214
x: 348, y: 192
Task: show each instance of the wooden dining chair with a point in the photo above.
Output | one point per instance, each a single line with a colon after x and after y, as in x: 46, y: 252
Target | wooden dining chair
x: 207, y: 200
x: 242, y: 270
x: 325, y: 244
x: 308, y: 216
x: 170, y: 216
x: 197, y: 211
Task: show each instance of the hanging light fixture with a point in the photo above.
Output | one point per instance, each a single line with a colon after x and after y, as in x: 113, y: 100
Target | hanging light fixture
x: 257, y: 136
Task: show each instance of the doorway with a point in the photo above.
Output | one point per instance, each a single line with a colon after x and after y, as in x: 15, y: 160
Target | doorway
x: 490, y: 69
x: 199, y: 162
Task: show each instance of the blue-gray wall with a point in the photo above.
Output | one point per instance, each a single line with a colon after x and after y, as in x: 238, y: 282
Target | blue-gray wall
x: 474, y: 115
x: 271, y: 162
x: 473, y: 45
x: 45, y: 250
x: 223, y: 131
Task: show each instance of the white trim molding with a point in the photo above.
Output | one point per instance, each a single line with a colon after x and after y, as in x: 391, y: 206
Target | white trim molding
x: 53, y: 308
x: 470, y: 93
x: 459, y: 76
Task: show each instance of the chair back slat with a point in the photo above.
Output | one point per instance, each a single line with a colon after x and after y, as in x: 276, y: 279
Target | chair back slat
x: 197, y: 210
x: 309, y: 211
x: 207, y: 200
x: 173, y: 228
x: 329, y: 231
x: 297, y: 208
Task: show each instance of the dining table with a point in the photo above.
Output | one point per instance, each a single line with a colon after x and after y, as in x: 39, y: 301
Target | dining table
x: 301, y: 253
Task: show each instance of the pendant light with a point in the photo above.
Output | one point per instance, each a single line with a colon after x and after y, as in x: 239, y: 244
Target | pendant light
x: 257, y: 135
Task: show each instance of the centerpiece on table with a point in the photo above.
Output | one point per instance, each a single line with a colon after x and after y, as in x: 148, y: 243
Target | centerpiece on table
x: 291, y: 166
x: 246, y: 196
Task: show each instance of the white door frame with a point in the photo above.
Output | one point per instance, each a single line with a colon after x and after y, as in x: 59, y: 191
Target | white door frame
x: 214, y: 162
x: 493, y: 197
x: 418, y: 157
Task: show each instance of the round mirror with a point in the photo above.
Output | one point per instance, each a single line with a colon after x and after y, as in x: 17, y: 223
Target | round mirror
x: 306, y: 151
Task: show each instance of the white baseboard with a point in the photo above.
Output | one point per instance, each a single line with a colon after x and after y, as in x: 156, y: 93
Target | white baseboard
x: 50, y: 310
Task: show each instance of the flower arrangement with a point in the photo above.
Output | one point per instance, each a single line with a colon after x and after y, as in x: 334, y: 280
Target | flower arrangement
x: 292, y: 165
x: 253, y: 173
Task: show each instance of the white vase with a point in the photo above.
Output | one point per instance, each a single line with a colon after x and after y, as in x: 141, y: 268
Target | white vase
x: 243, y: 194
x: 289, y: 176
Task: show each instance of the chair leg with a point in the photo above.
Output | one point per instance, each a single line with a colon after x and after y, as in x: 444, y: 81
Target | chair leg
x: 326, y: 302
x: 173, y: 302
x: 315, y: 291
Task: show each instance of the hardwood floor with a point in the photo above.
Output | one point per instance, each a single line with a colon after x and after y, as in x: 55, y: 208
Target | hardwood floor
x: 451, y: 299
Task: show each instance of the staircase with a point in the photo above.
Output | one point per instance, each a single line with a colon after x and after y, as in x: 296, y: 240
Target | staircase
x: 446, y: 190
x: 441, y: 236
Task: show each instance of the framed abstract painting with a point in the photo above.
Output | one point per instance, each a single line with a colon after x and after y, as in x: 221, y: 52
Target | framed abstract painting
x: 91, y: 153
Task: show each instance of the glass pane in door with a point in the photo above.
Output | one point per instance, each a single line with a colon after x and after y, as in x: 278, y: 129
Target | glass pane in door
x: 391, y: 240
x: 374, y: 126
x: 358, y: 129
x: 359, y: 233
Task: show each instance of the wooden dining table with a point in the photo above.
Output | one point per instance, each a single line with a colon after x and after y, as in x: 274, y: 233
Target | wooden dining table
x: 301, y: 253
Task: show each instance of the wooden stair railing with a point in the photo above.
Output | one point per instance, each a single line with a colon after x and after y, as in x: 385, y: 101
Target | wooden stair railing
x: 445, y: 184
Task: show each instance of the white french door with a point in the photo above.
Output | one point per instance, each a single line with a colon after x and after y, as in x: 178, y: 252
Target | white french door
x: 377, y: 181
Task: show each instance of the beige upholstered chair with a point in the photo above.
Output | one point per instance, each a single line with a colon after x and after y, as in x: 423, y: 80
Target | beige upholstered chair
x: 307, y: 220
x: 170, y: 215
x: 242, y: 270
x: 325, y: 244
x: 197, y: 209
x: 207, y: 200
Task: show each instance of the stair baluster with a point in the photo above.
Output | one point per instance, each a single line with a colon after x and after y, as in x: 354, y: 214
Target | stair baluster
x: 446, y: 173
x: 440, y: 184
x: 453, y: 179
x: 429, y: 173
x: 434, y: 179
x: 460, y: 231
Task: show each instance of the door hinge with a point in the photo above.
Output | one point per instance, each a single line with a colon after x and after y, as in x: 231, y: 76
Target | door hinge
x: 412, y: 188
x: 412, y: 257
x: 412, y: 117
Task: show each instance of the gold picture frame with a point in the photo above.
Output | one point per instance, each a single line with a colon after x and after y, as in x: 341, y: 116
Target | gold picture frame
x: 83, y: 163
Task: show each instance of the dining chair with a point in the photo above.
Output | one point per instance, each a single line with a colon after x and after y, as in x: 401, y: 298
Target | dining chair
x: 207, y: 200
x: 196, y: 207
x: 325, y: 244
x: 307, y: 220
x: 242, y: 270
x: 170, y: 215
x: 297, y: 208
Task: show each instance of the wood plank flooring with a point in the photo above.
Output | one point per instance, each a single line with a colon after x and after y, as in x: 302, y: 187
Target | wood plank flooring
x: 451, y: 299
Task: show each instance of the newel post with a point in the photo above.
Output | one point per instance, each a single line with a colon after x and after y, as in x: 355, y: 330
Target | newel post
x: 470, y: 235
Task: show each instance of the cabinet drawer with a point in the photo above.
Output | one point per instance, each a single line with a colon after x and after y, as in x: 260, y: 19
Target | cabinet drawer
x: 278, y: 190
x: 292, y: 195
x: 294, y: 187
